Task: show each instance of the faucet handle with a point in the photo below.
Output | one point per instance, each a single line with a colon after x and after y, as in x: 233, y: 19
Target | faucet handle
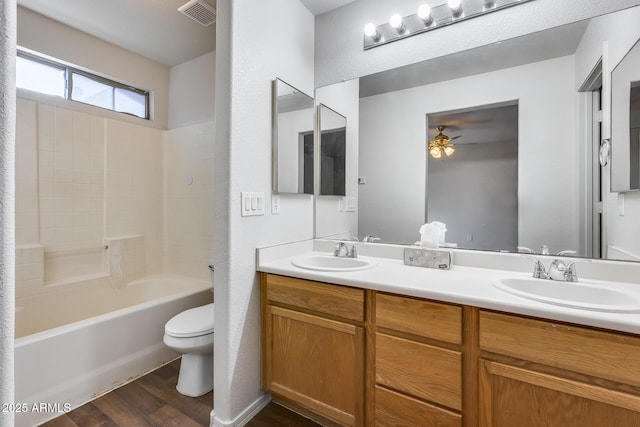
x: 570, y: 274
x: 539, y: 272
x: 353, y: 253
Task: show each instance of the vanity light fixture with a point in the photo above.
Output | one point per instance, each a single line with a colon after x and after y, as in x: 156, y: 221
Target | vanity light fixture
x: 456, y: 7
x: 429, y: 18
x: 424, y: 13
x: 397, y: 23
x: 372, y: 32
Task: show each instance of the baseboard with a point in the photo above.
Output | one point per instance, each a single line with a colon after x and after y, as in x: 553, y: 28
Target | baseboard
x: 245, y: 416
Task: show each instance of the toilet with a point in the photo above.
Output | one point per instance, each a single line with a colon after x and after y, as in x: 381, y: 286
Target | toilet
x: 191, y: 333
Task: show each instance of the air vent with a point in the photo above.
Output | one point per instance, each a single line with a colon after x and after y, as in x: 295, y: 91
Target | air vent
x: 199, y: 11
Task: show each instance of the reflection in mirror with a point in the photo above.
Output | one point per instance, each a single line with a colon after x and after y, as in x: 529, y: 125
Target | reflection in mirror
x: 292, y: 124
x: 333, y: 131
x: 625, y: 123
x: 554, y: 189
x: 477, y: 173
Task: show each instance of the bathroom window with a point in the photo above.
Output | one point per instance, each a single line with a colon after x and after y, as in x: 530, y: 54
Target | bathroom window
x: 52, y: 78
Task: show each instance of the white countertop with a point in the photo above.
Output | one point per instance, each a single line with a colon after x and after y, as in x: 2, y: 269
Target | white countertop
x: 462, y: 285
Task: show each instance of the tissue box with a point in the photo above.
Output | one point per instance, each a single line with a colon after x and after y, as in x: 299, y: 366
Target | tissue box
x: 428, y: 258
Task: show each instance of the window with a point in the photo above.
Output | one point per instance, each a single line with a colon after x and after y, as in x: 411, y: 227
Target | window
x: 51, y: 78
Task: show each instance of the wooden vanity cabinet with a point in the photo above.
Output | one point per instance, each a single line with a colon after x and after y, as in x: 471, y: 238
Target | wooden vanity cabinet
x: 350, y: 357
x: 535, y: 372
x: 313, y: 347
x: 418, y: 362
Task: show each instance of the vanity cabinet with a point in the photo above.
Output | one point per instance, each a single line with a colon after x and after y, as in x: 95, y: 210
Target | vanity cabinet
x: 535, y: 372
x: 313, y: 347
x: 354, y: 357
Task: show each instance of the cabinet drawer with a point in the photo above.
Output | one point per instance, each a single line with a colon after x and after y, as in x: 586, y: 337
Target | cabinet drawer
x: 340, y: 301
x: 587, y: 351
x: 424, y: 371
x: 419, y: 317
x: 394, y: 409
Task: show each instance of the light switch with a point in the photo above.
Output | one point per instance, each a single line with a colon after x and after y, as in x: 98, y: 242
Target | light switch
x: 252, y: 203
x: 351, y: 204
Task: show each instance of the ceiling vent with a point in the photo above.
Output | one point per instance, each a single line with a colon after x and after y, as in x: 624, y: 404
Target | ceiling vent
x: 199, y: 11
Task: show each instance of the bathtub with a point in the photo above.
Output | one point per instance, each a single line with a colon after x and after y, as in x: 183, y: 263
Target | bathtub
x: 78, y: 342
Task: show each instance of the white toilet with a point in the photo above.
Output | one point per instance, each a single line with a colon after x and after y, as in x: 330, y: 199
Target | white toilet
x: 191, y: 333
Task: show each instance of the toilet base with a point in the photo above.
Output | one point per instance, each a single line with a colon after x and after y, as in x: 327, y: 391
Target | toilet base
x: 196, y: 374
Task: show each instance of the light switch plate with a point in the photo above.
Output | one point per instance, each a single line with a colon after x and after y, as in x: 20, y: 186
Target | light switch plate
x: 252, y: 203
x: 351, y: 204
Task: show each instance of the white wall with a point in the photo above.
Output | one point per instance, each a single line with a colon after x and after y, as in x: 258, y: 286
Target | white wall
x: 247, y: 61
x: 64, y: 43
x: 7, y: 212
x: 392, y: 131
x: 331, y: 215
x: 339, y: 33
x: 192, y: 91
x: 610, y: 37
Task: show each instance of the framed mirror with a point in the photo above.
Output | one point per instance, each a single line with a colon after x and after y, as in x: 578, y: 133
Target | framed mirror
x: 292, y: 126
x: 625, y: 123
x: 333, y: 150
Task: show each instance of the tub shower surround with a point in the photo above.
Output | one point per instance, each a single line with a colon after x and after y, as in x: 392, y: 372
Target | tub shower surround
x: 101, y: 207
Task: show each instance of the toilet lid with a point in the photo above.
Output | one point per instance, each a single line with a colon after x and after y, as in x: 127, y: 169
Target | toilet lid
x: 191, y: 323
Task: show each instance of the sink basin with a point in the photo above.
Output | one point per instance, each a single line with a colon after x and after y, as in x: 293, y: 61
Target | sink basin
x: 333, y: 263
x: 583, y: 295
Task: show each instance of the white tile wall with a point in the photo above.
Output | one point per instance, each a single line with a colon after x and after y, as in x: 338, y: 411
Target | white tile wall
x: 83, y: 180
x: 189, y: 208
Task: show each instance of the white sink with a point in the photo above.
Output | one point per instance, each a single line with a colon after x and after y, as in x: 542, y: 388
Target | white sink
x: 585, y: 295
x: 333, y: 263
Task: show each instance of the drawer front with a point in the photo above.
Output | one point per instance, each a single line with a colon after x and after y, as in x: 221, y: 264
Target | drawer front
x: 394, y: 409
x: 340, y: 301
x: 419, y: 317
x: 592, y: 352
x: 421, y: 370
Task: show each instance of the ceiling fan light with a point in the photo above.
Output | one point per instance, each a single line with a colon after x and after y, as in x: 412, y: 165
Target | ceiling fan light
x: 449, y: 151
x: 435, y: 152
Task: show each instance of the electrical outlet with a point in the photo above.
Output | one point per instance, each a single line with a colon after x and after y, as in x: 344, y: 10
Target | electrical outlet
x: 275, y: 204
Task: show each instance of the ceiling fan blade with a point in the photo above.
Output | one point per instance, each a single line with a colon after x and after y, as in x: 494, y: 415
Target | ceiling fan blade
x: 455, y: 137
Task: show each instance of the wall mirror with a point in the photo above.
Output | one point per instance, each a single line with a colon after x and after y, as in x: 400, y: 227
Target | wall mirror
x: 333, y: 131
x: 625, y: 123
x: 552, y: 160
x: 292, y: 139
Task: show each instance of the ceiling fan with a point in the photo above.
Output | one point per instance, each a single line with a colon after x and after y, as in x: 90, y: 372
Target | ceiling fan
x: 441, y: 144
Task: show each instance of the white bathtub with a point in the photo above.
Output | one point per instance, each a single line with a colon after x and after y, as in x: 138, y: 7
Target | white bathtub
x: 79, y: 342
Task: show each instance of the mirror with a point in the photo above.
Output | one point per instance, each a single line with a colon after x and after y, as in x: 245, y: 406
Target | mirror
x: 333, y: 133
x: 625, y: 123
x: 292, y: 139
x: 553, y: 162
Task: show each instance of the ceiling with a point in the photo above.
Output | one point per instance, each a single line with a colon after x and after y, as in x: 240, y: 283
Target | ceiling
x: 490, y: 123
x: 151, y: 28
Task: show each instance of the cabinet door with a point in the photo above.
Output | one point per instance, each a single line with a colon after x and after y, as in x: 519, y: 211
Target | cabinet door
x: 512, y: 396
x: 317, y: 363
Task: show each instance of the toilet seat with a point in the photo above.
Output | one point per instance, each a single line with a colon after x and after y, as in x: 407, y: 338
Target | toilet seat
x: 191, y: 323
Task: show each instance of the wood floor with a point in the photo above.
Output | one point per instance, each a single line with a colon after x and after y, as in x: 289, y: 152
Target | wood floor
x: 152, y: 400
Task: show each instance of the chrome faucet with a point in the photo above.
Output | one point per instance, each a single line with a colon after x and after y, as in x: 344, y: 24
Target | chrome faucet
x: 370, y: 238
x: 558, y: 270
x: 342, y: 250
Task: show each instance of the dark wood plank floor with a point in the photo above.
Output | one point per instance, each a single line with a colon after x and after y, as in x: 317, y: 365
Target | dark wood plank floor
x: 152, y: 400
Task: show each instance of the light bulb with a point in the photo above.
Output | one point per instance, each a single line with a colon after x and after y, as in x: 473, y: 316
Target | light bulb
x: 372, y: 32
x: 396, y: 23
x: 455, y: 6
x: 435, y: 152
x: 449, y: 151
x: 424, y: 13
